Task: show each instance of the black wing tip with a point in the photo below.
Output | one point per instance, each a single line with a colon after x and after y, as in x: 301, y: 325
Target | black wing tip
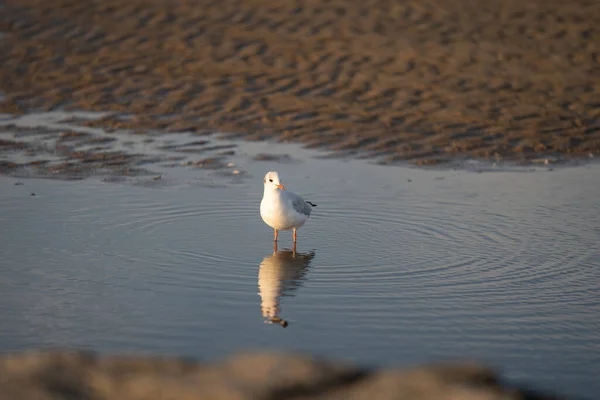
x: 312, y: 204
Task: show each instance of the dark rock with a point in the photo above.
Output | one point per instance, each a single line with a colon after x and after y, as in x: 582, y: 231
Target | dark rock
x: 79, y: 375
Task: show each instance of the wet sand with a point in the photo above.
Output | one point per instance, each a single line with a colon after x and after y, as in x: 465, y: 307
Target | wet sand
x: 424, y: 82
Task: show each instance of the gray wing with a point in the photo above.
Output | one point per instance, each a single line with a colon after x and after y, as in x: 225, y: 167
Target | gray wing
x: 300, y: 205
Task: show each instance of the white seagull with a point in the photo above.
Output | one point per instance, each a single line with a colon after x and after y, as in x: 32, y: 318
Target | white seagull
x: 280, y: 209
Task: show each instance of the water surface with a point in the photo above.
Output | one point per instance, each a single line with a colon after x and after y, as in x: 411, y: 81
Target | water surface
x: 397, y: 266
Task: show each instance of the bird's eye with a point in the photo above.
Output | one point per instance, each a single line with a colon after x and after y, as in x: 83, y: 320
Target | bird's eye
x: 270, y: 180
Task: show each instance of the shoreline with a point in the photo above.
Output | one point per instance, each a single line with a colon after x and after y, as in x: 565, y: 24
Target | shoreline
x: 62, y: 145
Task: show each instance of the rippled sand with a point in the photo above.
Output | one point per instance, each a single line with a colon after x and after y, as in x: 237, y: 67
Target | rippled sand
x: 400, y: 80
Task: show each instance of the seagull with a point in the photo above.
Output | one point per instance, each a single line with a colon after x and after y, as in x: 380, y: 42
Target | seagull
x: 281, y: 209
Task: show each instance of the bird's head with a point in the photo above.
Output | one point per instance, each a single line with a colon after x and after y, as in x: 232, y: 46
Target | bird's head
x: 272, y: 181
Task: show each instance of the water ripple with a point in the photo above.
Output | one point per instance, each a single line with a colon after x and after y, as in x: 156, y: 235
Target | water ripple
x: 479, y: 270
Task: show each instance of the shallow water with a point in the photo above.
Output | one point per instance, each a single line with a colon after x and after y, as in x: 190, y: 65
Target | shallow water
x: 396, y: 266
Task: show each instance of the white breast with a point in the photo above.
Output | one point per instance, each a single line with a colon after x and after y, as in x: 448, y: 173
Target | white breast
x: 277, y: 211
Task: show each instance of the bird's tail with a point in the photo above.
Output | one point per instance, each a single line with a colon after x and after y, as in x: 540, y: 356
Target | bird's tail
x: 312, y: 204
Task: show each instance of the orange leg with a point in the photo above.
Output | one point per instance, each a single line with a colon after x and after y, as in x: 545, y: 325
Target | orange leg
x: 275, y: 235
x: 294, y: 235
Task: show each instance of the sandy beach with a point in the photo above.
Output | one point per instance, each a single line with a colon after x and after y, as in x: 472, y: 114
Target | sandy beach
x: 423, y: 82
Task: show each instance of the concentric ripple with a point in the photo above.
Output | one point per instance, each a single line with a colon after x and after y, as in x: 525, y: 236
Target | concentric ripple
x: 458, y: 250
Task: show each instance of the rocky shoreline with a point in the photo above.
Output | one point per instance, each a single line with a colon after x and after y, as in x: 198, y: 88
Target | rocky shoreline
x: 256, y: 375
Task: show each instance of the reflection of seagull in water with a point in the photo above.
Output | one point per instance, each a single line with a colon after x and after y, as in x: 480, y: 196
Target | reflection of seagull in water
x: 282, y: 209
x: 280, y: 274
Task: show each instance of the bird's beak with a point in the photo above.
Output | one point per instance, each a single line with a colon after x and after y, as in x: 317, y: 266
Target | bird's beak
x: 280, y: 186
